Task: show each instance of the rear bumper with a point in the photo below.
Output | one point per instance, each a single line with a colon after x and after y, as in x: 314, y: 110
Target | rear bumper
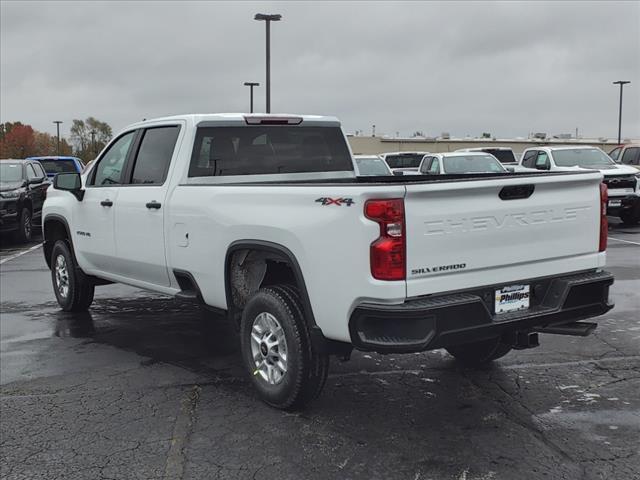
x: 453, y: 319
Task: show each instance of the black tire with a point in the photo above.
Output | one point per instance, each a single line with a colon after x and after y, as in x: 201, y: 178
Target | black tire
x: 307, y: 367
x: 481, y: 353
x: 78, y: 294
x: 631, y: 217
x: 25, y: 227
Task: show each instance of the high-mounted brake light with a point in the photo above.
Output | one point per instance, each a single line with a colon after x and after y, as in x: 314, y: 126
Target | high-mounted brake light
x: 604, y: 224
x: 388, y: 251
x: 259, y: 120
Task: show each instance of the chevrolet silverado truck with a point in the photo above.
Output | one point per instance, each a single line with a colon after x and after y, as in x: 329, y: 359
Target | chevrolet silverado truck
x: 623, y: 181
x: 262, y: 219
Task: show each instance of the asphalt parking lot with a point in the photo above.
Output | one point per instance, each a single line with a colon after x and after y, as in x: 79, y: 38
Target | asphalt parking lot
x: 141, y: 388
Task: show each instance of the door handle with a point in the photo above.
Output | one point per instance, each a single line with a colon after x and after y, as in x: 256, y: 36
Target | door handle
x: 153, y: 204
x: 106, y: 203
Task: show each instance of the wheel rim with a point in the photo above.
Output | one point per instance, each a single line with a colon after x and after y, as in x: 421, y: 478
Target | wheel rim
x: 268, y: 349
x: 27, y: 225
x: 62, y: 276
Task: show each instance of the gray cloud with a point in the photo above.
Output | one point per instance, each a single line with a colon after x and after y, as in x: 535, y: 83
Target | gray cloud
x: 508, y: 68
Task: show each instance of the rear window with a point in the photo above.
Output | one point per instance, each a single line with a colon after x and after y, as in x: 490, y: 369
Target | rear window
x: 259, y: 150
x: 58, y: 166
x: 371, y: 166
x: 504, y: 156
x: 404, y: 161
x: 472, y: 164
x: 581, y: 157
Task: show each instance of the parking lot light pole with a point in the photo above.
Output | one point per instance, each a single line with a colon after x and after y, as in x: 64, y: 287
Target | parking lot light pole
x: 58, y: 122
x: 622, y: 83
x: 268, y: 18
x: 251, y: 85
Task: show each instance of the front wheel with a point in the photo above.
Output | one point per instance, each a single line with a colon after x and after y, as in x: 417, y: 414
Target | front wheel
x: 631, y: 217
x: 74, y: 291
x: 25, y: 227
x: 478, y: 354
x: 283, y: 364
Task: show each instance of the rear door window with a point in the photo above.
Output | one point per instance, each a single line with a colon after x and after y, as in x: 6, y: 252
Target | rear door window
x: 259, y: 150
x: 154, y: 155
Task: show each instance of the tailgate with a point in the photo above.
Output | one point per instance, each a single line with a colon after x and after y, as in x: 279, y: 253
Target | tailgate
x: 462, y: 234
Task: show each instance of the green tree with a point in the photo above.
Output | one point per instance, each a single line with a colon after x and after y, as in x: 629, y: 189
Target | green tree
x: 89, y: 136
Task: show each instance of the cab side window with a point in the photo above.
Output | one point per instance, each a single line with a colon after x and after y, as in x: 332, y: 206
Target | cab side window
x: 631, y: 156
x: 528, y: 160
x: 39, y: 170
x: 434, y: 169
x: 31, y: 173
x: 614, y: 153
x: 110, y: 166
x: 426, y: 164
x: 542, y: 161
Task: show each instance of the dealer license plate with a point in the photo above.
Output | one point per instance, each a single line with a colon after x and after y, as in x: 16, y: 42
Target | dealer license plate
x: 512, y: 298
x: 615, y: 203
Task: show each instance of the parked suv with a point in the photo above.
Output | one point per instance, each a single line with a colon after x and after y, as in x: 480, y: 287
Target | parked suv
x: 53, y: 165
x: 23, y: 188
x: 622, y: 180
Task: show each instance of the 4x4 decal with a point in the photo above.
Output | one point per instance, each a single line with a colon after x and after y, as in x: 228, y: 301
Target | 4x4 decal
x: 335, y: 201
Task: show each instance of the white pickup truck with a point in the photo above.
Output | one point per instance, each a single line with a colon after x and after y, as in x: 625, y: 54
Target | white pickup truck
x: 623, y: 181
x: 262, y: 218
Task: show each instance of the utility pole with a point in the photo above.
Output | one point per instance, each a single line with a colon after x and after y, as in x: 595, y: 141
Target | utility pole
x: 251, y: 85
x: 373, y: 130
x: 93, y: 142
x: 268, y: 19
x: 58, y: 122
x: 622, y: 83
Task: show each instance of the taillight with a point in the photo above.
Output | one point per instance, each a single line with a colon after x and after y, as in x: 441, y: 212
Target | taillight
x: 387, y: 252
x: 604, y: 224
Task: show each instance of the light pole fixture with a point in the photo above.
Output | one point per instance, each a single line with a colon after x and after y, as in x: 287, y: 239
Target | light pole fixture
x: 268, y: 18
x: 251, y: 85
x: 622, y: 83
x: 58, y: 122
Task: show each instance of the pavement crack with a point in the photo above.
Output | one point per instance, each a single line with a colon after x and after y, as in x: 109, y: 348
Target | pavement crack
x: 176, y: 459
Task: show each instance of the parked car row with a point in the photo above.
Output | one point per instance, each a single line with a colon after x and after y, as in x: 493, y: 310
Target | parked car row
x: 23, y: 189
x: 621, y: 168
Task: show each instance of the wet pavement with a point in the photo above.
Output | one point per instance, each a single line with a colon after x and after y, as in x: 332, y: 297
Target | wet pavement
x: 143, y: 387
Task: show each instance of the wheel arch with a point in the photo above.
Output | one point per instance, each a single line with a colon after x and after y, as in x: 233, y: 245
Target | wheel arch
x: 54, y: 228
x: 274, y: 252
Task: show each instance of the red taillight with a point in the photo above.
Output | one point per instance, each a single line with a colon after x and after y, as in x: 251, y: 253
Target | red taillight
x: 388, y: 250
x: 604, y: 224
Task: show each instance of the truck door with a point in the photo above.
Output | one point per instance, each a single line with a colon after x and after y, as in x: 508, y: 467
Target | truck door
x: 139, y: 214
x: 93, y: 217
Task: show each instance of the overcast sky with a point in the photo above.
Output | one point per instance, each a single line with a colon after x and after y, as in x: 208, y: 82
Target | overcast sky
x: 465, y: 68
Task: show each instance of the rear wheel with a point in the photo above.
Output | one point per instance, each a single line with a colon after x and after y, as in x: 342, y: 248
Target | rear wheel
x: 74, y: 291
x: 25, y: 227
x: 481, y: 353
x: 283, y: 364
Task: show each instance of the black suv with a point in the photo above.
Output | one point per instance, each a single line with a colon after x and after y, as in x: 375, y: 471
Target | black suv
x: 23, y: 188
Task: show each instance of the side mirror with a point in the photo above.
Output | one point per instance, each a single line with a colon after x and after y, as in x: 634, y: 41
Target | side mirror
x: 69, y: 182
x: 510, y: 169
x: 544, y: 166
x: 35, y: 181
x: 398, y: 173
